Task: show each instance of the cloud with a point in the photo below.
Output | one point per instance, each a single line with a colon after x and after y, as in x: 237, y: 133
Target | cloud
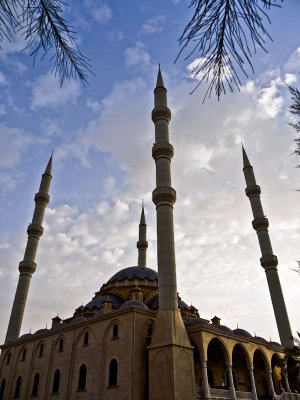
x: 47, y: 92
x: 100, y: 13
x: 153, y: 25
x: 137, y: 56
x: 3, y: 79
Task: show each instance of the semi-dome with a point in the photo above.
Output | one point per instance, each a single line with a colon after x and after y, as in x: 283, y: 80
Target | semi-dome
x: 134, y: 273
x: 189, y: 321
x: 133, y: 303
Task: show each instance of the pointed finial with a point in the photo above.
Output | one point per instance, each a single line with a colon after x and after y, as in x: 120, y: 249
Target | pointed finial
x: 143, y: 219
x: 48, y: 169
x: 159, y: 81
x: 246, y: 161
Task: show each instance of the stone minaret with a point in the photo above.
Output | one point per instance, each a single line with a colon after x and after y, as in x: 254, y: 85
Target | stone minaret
x: 268, y: 260
x: 171, y: 373
x: 142, y: 244
x: 28, y: 266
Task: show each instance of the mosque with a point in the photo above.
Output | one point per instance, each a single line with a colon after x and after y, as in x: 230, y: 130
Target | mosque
x: 136, y: 339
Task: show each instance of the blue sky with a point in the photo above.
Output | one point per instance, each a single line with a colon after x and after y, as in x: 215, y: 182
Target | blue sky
x: 102, y: 136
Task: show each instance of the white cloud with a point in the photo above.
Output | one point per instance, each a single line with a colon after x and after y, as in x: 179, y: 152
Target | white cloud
x: 3, y: 79
x: 47, y: 92
x: 100, y: 13
x: 153, y: 25
x: 137, y: 56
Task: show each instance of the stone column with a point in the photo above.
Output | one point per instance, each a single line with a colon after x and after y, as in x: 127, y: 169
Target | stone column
x: 253, y: 386
x: 231, y: 383
x: 205, y: 379
x: 286, y: 380
x: 273, y: 393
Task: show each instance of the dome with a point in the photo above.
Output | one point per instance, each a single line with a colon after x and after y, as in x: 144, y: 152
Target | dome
x: 260, y: 339
x: 77, y: 320
x: 98, y: 300
x: 58, y: 326
x: 25, y: 336
x: 224, y: 328
x: 41, y: 331
x: 134, y: 273
x: 189, y: 321
x: 154, y: 304
x: 242, y: 332
x: 133, y: 303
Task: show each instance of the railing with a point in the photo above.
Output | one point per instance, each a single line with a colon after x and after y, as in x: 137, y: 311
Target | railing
x: 222, y: 393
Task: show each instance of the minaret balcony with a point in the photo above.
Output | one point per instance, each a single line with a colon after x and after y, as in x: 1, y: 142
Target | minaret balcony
x: 164, y: 195
x: 161, y: 112
x: 142, y: 244
x: 42, y: 198
x: 253, y: 190
x: 269, y: 261
x: 162, y: 149
x: 27, y: 267
x: 35, y: 230
x: 260, y: 223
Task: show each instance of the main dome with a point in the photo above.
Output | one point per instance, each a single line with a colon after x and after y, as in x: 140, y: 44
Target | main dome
x: 134, y: 273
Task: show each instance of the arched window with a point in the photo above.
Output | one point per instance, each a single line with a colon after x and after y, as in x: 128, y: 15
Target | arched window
x: 150, y: 330
x: 7, y: 360
x: 113, y: 373
x: 41, y: 350
x: 2, y: 389
x: 35, y: 386
x: 86, y: 339
x: 82, y: 378
x: 18, y: 387
x: 56, y: 381
x: 115, y: 331
x: 61, y: 345
x: 23, y: 357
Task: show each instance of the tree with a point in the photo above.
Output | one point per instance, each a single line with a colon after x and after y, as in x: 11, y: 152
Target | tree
x: 45, y: 31
x: 292, y: 362
x: 295, y: 109
x: 225, y: 34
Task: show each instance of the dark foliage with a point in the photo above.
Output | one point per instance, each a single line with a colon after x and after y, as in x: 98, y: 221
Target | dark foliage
x: 41, y: 23
x: 224, y: 34
x: 295, y: 109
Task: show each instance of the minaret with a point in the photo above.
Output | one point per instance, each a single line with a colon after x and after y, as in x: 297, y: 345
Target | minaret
x: 170, y: 353
x: 142, y: 244
x: 268, y: 260
x: 27, y: 267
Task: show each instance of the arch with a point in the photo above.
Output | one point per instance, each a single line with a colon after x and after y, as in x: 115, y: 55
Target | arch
x: 113, y: 373
x: 86, y: 338
x: 82, y: 377
x: 2, y: 389
x: 260, y: 370
x: 108, y: 331
x: 56, y: 381
x: 217, y: 362
x: 18, y: 387
x: 277, y: 375
x: 35, y: 386
x: 241, y: 368
x: 115, y: 331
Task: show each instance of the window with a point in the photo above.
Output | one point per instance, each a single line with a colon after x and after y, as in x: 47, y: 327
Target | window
x: 41, y: 350
x: 150, y: 330
x: 2, y: 389
x: 23, y: 357
x: 18, y: 387
x: 115, y: 331
x: 56, y: 381
x: 7, y: 360
x: 113, y: 373
x: 82, y: 378
x: 35, y: 386
x: 86, y: 339
x: 61, y: 345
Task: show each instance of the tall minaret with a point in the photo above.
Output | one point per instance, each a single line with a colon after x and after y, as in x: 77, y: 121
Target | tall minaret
x: 268, y: 260
x: 28, y: 266
x: 142, y: 244
x: 170, y: 353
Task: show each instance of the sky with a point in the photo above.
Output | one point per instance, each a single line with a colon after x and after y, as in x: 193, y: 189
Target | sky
x: 102, y: 136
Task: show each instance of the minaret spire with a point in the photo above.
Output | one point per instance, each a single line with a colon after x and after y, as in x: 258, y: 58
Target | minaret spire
x: 268, y: 260
x: 170, y: 343
x: 27, y: 267
x: 142, y: 244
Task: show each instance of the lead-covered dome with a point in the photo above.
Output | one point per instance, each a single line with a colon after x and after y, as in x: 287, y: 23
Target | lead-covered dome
x: 134, y: 273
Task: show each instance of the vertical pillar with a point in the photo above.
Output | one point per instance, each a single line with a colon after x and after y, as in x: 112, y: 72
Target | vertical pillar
x: 285, y: 377
x: 271, y: 385
x: 268, y: 260
x: 27, y: 267
x: 231, y: 383
x: 205, y: 378
x: 253, y: 386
